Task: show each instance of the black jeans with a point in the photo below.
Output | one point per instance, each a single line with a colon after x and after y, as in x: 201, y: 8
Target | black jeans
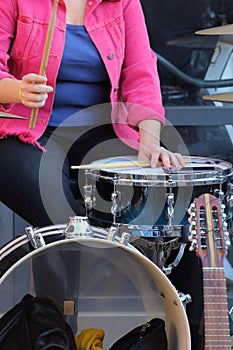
x: 36, y: 184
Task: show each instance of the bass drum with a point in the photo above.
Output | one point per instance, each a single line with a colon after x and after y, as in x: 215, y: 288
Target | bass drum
x: 105, y: 284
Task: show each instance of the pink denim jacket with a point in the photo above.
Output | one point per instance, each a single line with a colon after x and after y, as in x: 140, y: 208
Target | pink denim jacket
x: 117, y: 28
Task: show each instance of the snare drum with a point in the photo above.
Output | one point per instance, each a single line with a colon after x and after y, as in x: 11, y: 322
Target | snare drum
x: 151, y: 197
x: 114, y: 287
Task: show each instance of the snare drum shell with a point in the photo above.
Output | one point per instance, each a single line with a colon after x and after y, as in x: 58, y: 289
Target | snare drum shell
x: 141, y: 194
x: 118, y: 287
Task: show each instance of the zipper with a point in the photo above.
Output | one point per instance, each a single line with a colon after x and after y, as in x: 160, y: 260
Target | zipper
x: 144, y: 329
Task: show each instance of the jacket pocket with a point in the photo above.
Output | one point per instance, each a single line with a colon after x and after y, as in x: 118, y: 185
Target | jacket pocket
x: 27, y: 39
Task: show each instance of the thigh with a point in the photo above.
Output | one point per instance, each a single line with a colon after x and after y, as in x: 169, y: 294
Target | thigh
x: 19, y: 176
x: 30, y: 181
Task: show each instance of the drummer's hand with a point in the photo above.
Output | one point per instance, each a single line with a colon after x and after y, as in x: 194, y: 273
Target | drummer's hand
x: 158, y: 155
x: 150, y: 149
x: 34, y: 91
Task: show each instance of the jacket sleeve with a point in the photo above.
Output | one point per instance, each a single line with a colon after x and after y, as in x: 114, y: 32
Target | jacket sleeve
x: 7, y: 31
x: 140, y: 84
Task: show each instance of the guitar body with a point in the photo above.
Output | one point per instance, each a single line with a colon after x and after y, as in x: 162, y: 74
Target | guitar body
x: 209, y: 242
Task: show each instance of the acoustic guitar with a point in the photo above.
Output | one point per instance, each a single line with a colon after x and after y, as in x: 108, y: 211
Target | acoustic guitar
x: 209, y: 242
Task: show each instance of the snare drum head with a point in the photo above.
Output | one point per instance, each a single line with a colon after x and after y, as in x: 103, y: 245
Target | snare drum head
x: 197, y: 171
x: 113, y: 286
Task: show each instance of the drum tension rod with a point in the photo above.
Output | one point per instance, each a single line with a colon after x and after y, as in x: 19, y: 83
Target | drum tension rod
x: 36, y: 239
x: 115, y: 197
x: 170, y: 203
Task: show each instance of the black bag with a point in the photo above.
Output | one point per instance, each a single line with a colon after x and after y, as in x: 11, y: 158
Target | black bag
x: 150, y: 336
x: 35, y: 323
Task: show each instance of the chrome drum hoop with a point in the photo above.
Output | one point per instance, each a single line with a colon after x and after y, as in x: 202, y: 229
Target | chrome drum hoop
x: 199, y: 172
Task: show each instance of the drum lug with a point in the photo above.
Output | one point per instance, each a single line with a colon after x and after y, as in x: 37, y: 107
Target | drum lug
x: 78, y: 226
x: 119, y: 231
x: 125, y: 236
x: 113, y: 230
x: 116, y: 207
x: 36, y: 239
x: 170, y: 207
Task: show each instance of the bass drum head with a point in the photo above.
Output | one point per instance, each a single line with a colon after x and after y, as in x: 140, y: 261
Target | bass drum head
x: 112, y: 286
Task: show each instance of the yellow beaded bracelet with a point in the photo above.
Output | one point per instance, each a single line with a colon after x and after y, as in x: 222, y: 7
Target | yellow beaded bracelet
x: 20, y: 92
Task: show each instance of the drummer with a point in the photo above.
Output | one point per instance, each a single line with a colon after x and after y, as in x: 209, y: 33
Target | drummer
x: 93, y: 64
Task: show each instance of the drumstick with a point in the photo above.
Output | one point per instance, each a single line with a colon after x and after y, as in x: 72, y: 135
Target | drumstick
x: 128, y: 164
x: 45, y: 57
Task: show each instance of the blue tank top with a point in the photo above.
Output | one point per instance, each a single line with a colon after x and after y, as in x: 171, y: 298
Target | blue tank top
x: 82, y: 80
